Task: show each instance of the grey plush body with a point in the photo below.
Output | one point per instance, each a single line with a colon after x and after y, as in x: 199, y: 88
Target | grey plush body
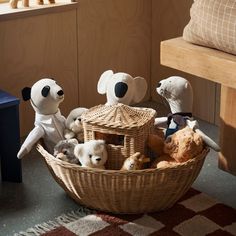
x: 64, y: 150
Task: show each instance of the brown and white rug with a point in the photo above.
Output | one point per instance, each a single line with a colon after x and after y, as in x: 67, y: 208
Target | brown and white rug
x: 195, y: 214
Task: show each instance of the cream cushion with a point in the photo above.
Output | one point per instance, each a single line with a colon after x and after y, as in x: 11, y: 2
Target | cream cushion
x: 213, y: 24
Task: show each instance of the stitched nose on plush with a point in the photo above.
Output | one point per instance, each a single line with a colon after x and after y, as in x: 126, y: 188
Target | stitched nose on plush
x: 121, y: 89
x: 159, y: 85
x: 60, y: 93
x: 98, y: 159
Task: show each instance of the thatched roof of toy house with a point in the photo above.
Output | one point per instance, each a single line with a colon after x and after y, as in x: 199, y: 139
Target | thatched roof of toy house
x: 119, y: 116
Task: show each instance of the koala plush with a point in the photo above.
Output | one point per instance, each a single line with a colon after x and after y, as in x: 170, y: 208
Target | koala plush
x: 74, y: 126
x: 92, y: 154
x: 121, y: 88
x: 45, y: 97
x: 64, y: 150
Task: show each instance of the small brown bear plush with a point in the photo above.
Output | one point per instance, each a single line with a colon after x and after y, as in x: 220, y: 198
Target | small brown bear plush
x: 182, y: 146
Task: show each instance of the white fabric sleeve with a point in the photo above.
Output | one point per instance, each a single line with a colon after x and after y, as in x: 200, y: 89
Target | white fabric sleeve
x: 31, y: 140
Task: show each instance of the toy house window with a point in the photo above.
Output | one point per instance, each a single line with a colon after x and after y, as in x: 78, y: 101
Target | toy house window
x: 114, y: 139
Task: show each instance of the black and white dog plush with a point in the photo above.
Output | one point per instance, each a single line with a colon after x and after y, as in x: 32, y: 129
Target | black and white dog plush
x: 45, y: 97
x: 121, y: 88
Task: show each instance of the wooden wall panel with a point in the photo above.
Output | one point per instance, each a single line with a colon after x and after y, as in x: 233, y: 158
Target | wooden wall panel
x: 77, y: 46
x: 112, y: 35
x: 35, y: 47
x: 169, y: 18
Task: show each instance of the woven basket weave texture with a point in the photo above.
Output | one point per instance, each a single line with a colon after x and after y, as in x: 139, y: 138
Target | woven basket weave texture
x: 130, y: 124
x: 118, y: 191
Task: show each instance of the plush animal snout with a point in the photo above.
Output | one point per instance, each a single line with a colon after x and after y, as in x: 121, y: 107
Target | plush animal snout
x: 98, y: 159
x: 159, y: 85
x: 60, y: 93
x: 121, y: 89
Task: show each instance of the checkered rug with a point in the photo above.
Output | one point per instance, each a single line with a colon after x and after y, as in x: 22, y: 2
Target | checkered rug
x: 195, y: 214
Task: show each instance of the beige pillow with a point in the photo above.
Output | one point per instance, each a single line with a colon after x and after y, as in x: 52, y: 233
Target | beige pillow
x: 213, y: 24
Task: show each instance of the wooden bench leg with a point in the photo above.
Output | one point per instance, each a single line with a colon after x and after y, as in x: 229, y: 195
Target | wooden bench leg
x: 227, y: 157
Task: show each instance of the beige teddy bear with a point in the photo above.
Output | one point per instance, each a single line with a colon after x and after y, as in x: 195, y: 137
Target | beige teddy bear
x: 180, y: 147
x: 184, y: 145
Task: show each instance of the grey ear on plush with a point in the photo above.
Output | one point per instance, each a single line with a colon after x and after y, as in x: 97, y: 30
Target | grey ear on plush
x: 26, y: 93
x: 102, y: 83
x: 73, y: 141
x: 140, y: 89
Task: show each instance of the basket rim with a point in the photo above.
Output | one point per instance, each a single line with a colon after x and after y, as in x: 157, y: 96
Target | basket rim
x: 64, y: 164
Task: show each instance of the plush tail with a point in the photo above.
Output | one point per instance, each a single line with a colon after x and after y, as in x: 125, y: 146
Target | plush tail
x: 209, y: 142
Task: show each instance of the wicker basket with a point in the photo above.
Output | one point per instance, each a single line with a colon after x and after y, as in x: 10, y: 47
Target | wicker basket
x: 118, y: 191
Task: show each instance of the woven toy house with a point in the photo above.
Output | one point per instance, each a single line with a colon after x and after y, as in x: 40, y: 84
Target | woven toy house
x: 125, y: 130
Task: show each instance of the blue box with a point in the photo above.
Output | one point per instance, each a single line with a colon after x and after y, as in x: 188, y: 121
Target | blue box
x: 9, y: 138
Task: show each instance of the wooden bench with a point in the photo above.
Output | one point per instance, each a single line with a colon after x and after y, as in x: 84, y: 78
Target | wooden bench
x: 218, y: 67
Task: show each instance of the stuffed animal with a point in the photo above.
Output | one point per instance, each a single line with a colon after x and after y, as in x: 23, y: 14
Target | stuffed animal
x: 135, y: 162
x: 156, y: 144
x: 163, y: 162
x: 64, y: 150
x: 45, y: 97
x: 183, y: 145
x: 14, y: 3
x: 178, y: 92
x: 92, y: 154
x: 74, y: 126
x: 121, y: 88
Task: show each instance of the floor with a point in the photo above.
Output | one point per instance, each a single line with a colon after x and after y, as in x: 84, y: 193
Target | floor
x: 39, y: 198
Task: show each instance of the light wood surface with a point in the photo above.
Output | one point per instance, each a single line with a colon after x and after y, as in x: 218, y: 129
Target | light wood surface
x: 204, y: 62
x: 36, y: 47
x: 227, y: 160
x: 7, y: 13
x: 80, y: 44
x: 112, y: 35
x: 169, y: 17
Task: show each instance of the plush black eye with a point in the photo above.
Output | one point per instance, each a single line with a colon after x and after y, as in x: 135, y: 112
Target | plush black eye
x: 45, y: 91
x: 64, y: 152
x: 79, y: 119
x: 74, y: 119
x: 90, y: 155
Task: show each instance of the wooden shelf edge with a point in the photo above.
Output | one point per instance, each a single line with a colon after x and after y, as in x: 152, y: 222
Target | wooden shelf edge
x: 6, y: 13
